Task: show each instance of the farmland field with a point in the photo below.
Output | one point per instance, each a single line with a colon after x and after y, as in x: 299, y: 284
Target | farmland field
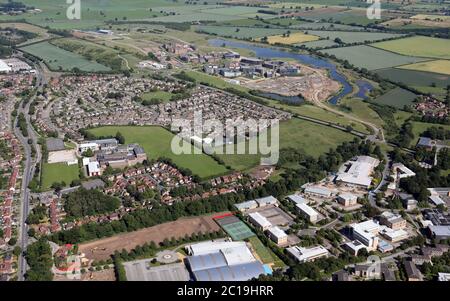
x: 105, y: 247
x: 58, y: 172
x: 156, y: 141
x: 353, y: 37
x: 438, y: 66
x: 241, y: 32
x: 421, y: 81
x: 371, y: 58
x: 57, y: 58
x: 397, y: 97
x: 325, y: 25
x: 418, y: 46
x: 318, y: 44
x: 293, y: 38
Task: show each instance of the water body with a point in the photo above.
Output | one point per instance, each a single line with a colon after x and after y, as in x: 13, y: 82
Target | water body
x: 295, y: 100
x: 270, y: 53
x: 364, y: 87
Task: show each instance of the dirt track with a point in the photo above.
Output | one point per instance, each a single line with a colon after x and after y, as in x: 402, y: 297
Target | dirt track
x: 103, y: 248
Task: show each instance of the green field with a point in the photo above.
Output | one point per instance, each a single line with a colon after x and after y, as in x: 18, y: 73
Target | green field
x: 419, y: 127
x: 157, y: 143
x: 161, y: 95
x: 371, y: 58
x: 419, y: 80
x: 58, y: 172
x: 418, y: 46
x: 437, y: 66
x: 362, y: 110
x: 264, y: 253
x: 314, y: 139
x: 397, y: 97
x: 318, y: 44
x: 240, y: 32
x: 60, y: 59
x: 353, y: 37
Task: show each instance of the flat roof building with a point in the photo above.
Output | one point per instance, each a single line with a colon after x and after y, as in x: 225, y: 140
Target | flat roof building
x: 259, y: 221
x: 277, y: 235
x: 301, y: 254
x: 318, y: 191
x: 366, y: 232
x: 244, y: 206
x: 268, y: 200
x: 308, y: 212
x: 439, y: 232
x: 297, y: 199
x: 347, y: 199
x: 358, y: 173
x: 392, y: 220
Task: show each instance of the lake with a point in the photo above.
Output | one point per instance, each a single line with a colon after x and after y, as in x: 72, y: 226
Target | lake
x: 271, y: 53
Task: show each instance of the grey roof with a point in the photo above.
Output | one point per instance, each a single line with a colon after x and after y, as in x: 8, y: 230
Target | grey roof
x: 440, y: 231
x: 412, y: 270
x: 55, y: 144
x: 140, y: 270
x: 93, y: 184
x: 207, y: 261
x: 425, y: 141
x: 241, y: 272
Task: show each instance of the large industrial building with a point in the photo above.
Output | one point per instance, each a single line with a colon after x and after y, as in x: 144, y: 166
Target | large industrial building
x: 224, y: 261
x: 357, y: 173
x: 301, y: 254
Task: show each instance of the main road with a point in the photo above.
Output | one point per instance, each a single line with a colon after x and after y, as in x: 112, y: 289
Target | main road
x: 28, y: 172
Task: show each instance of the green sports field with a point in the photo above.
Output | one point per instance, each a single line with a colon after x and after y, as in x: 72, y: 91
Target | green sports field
x: 418, y: 46
x: 60, y: 59
x: 58, y: 172
x: 156, y: 141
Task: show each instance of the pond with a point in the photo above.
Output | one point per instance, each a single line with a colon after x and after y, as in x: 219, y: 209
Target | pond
x: 270, y: 53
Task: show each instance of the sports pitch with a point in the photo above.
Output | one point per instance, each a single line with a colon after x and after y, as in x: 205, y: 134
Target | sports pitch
x: 234, y: 227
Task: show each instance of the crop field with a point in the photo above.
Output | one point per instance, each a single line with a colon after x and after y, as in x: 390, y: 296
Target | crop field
x: 397, y: 97
x: 353, y: 37
x: 156, y: 142
x: 418, y: 46
x: 419, y: 80
x: 318, y: 44
x: 371, y: 58
x: 293, y: 38
x: 58, y: 172
x: 345, y: 16
x: 438, y: 66
x: 326, y: 26
x: 60, y: 59
x: 240, y: 32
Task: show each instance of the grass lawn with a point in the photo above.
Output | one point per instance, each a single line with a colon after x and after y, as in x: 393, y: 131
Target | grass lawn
x: 162, y: 95
x: 213, y: 81
x: 319, y: 113
x: 59, y: 59
x: 418, y: 46
x: 265, y: 254
x: 157, y: 143
x: 313, y: 138
x: 293, y: 38
x: 438, y: 66
x: 362, y: 110
x: 58, y: 172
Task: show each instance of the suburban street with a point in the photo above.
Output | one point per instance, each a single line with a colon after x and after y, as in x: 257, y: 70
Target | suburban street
x: 29, y: 170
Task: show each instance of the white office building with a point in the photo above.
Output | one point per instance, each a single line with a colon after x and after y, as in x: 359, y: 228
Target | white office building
x: 301, y: 254
x: 308, y: 212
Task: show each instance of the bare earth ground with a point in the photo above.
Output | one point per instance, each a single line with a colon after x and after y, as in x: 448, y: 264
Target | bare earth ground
x: 102, y: 249
x: 104, y: 275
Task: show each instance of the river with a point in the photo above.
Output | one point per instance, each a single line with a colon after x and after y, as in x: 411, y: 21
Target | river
x: 270, y: 53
